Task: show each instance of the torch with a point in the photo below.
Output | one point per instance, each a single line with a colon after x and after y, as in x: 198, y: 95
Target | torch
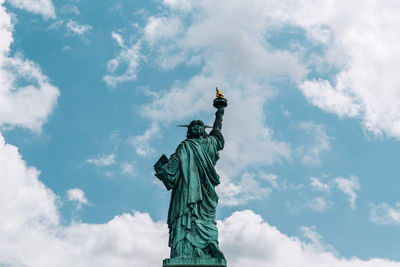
x: 220, y: 100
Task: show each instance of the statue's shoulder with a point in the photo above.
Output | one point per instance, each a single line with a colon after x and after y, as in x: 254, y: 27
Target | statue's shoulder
x: 218, y: 137
x: 181, y: 147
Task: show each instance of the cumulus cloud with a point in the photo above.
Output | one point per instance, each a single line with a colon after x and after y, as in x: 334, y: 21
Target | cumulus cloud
x: 102, y: 160
x: 76, y: 194
x: 384, y: 213
x: 230, y: 56
x: 26, y: 106
x: 233, y: 193
x: 31, y: 233
x: 360, y: 41
x: 247, y: 240
x: 354, y: 70
x: 41, y: 7
x: 33, y: 236
x: 23, y: 198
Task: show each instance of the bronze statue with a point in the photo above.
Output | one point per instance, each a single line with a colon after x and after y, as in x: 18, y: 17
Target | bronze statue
x: 190, y: 174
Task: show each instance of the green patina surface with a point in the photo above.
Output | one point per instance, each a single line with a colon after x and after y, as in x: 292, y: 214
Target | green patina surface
x: 191, y: 176
x: 194, y: 262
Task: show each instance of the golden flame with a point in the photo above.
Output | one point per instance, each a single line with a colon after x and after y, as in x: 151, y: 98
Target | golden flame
x: 219, y: 94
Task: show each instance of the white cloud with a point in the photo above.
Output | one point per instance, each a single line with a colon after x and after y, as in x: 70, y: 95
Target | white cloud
x: 128, y: 60
x: 70, y: 9
x: 248, y: 188
x: 23, y: 197
x: 25, y: 106
x: 127, y: 168
x: 310, y: 234
x: 230, y: 52
x: 158, y: 28
x: 247, y: 240
x: 311, y: 153
x: 318, y: 185
x: 31, y: 234
x: 319, y: 204
x: 334, y: 100
x: 76, y: 194
x: 118, y: 38
x: 102, y: 160
x: 271, y: 178
x: 76, y: 28
x: 383, y: 213
x: 348, y: 186
x: 141, y: 142
x: 178, y: 4
x: 361, y: 41
x: 41, y: 7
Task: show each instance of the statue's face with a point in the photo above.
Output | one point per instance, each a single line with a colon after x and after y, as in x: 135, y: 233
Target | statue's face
x: 196, y: 131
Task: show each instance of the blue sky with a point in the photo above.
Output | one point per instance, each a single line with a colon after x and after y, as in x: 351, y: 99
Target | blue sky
x: 91, y: 95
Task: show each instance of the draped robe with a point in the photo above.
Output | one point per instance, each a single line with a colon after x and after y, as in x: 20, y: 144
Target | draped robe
x: 190, y: 173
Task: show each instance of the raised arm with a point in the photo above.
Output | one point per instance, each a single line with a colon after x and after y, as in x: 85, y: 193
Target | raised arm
x: 218, y: 119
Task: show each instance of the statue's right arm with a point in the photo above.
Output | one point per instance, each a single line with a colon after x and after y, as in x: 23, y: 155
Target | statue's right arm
x: 218, y: 119
x: 217, y: 126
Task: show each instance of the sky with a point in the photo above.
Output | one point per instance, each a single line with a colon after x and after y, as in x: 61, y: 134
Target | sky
x: 91, y: 93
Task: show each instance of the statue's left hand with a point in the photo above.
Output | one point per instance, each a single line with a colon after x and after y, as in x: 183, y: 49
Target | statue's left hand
x: 160, y: 163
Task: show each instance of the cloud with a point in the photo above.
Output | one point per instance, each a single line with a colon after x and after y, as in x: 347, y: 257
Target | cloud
x: 233, y: 193
x: 31, y: 234
x: 161, y: 28
x: 23, y: 197
x: 349, y: 187
x: 323, y: 95
x: 102, y: 160
x: 318, y: 185
x: 360, y: 41
x: 320, y: 142
x: 247, y: 240
x: 75, y: 28
x: 228, y: 50
x: 70, y: 9
x: 29, y: 105
x: 76, y: 194
x: 141, y: 142
x: 319, y: 204
x: 123, y: 67
x: 385, y: 214
x: 41, y: 7
x: 271, y: 178
x: 127, y: 168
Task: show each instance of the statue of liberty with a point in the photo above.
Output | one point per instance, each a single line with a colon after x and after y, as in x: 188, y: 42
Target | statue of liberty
x: 190, y: 174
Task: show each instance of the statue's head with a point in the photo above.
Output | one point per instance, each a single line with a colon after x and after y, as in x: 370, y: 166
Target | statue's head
x: 196, y: 129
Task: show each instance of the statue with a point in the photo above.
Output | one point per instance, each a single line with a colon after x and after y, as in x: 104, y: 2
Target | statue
x: 190, y: 174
